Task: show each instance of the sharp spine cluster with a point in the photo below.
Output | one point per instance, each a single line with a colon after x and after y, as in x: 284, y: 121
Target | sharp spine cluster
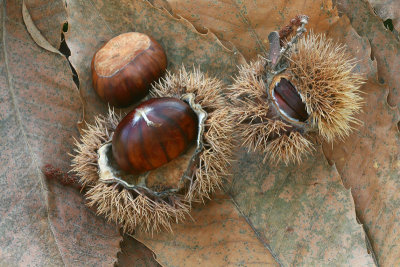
x: 322, y: 73
x: 325, y: 77
x: 136, y: 209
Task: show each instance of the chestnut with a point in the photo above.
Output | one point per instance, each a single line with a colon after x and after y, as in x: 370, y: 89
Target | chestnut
x: 288, y: 99
x: 154, y: 133
x: 124, y: 68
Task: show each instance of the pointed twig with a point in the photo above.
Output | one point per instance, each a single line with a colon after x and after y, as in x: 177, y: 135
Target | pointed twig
x: 285, y: 50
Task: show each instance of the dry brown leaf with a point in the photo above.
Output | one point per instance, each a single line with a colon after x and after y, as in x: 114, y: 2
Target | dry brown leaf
x: 369, y: 160
x: 302, y: 211
x: 49, y: 18
x: 83, y: 238
x: 34, y: 31
x: 387, y: 9
x: 385, y: 47
x: 247, y: 23
x: 39, y: 109
x: 92, y: 24
x: 218, y: 236
x: 26, y: 97
x: 134, y: 253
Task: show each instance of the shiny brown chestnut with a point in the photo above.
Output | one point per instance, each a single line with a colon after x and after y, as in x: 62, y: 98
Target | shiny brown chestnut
x: 154, y: 133
x: 124, y: 68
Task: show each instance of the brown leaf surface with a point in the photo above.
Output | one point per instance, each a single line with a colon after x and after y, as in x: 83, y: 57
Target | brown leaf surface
x: 134, y: 253
x: 34, y: 31
x: 26, y: 235
x: 302, y: 211
x: 92, y: 24
x: 39, y: 109
x: 49, y: 18
x: 387, y: 9
x: 247, y: 23
x: 83, y: 238
x: 369, y: 160
x: 385, y: 47
x: 219, y: 236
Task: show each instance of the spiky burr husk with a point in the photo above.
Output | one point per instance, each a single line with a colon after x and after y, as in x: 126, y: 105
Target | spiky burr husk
x: 257, y: 128
x: 84, y: 161
x: 323, y: 75
x: 134, y: 209
x: 216, y: 157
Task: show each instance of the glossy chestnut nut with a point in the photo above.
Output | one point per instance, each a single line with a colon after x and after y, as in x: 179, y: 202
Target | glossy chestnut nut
x: 124, y: 68
x: 154, y: 133
x: 288, y: 99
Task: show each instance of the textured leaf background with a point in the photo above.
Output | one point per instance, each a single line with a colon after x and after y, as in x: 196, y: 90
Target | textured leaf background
x: 219, y: 236
x: 247, y: 23
x: 369, y: 160
x: 42, y: 224
x: 385, y: 47
x: 388, y: 10
x: 297, y: 215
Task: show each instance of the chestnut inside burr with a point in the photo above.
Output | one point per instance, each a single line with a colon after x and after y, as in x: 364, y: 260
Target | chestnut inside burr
x: 165, y: 179
x: 289, y: 101
x: 154, y: 133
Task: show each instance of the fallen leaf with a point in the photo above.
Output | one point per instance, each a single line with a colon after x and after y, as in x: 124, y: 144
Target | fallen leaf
x: 385, y: 48
x: 247, y: 23
x: 27, y: 237
x: 83, y: 238
x: 39, y: 110
x: 92, y: 24
x: 302, y: 211
x: 134, y: 253
x: 217, y: 236
x: 49, y: 18
x: 387, y: 9
x: 369, y: 159
x: 34, y: 31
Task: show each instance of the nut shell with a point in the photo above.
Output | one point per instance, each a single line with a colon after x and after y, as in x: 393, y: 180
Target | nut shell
x: 288, y: 100
x: 124, y: 68
x: 154, y: 133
